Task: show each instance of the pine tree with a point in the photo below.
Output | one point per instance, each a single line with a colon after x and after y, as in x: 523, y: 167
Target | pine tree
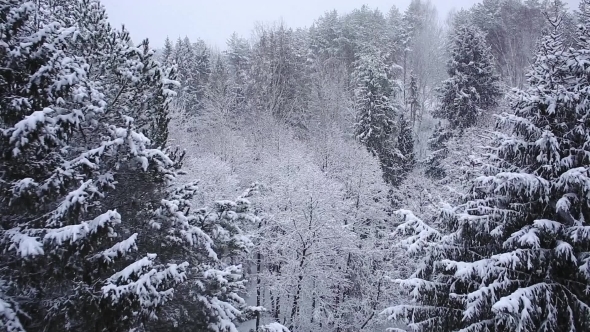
x: 404, y: 153
x: 167, y: 53
x: 376, y: 111
x: 93, y: 236
x: 201, y: 72
x: 413, y: 99
x: 324, y: 36
x: 238, y: 57
x: 238, y: 53
x: 437, y: 143
x: 193, y: 71
x: 278, y: 83
x: 514, y: 256
x: 180, y: 58
x: 473, y: 85
x: 405, y: 143
x: 412, y: 25
x: 189, y: 77
x: 395, y: 35
x: 68, y: 263
x: 208, y: 300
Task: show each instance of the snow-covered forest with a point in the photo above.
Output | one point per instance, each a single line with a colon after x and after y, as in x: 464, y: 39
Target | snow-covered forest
x: 376, y: 171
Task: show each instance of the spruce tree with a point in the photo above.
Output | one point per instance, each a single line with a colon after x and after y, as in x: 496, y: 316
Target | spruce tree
x: 473, y: 85
x: 437, y: 143
x: 404, y: 160
x: 94, y: 237
x: 376, y: 111
x: 238, y: 58
x: 210, y: 239
x: 167, y: 53
x: 68, y: 263
x: 515, y: 255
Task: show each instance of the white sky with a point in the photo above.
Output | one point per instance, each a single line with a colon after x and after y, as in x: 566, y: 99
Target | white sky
x: 215, y: 20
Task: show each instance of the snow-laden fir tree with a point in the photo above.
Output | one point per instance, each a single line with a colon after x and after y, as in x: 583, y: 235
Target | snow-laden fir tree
x: 193, y: 72
x: 67, y: 262
x: 473, y: 85
x: 515, y: 255
x: 404, y: 160
x: 325, y: 36
x: 395, y: 35
x: 412, y: 23
x: 377, y: 110
x: 167, y: 53
x: 238, y: 59
x: 278, y: 83
x: 81, y: 181
x: 209, y: 239
x: 437, y: 143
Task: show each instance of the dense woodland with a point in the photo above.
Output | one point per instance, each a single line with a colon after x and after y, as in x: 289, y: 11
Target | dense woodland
x: 376, y: 170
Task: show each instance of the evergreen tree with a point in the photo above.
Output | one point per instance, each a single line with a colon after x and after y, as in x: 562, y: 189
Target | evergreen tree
x: 208, y: 300
x: 179, y: 53
x: 437, y: 143
x: 404, y: 153
x: 168, y: 53
x: 412, y: 23
x: 93, y: 237
x: 278, y: 81
x: 68, y: 262
x: 514, y: 256
x: 395, y: 35
x: 189, y: 77
x: 202, y: 71
x: 376, y: 111
x: 194, y: 69
x: 413, y: 99
x: 238, y: 55
x: 473, y: 85
x: 420, y: 46
x: 238, y: 58
x: 180, y: 58
x: 325, y: 36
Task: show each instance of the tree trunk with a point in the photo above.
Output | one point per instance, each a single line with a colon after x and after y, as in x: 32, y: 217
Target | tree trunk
x: 258, y: 293
x: 295, y: 307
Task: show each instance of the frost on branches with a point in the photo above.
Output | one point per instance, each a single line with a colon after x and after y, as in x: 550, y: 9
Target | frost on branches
x: 514, y: 255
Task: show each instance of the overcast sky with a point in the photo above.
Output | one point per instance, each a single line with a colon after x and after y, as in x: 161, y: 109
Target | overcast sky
x: 215, y: 20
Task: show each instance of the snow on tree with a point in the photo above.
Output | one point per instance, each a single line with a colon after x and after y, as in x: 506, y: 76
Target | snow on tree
x: 194, y: 67
x: 325, y: 36
x: 167, y: 53
x: 413, y: 99
x: 210, y: 240
x: 512, y: 29
x: 238, y: 59
x: 334, y: 184
x: 403, y: 159
x: 395, y: 35
x: 421, y: 48
x: 438, y: 146
x: 62, y: 139
x: 473, y: 85
x: 273, y: 327
x: 514, y: 255
x: 81, y: 179
x: 278, y: 81
x: 376, y: 110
